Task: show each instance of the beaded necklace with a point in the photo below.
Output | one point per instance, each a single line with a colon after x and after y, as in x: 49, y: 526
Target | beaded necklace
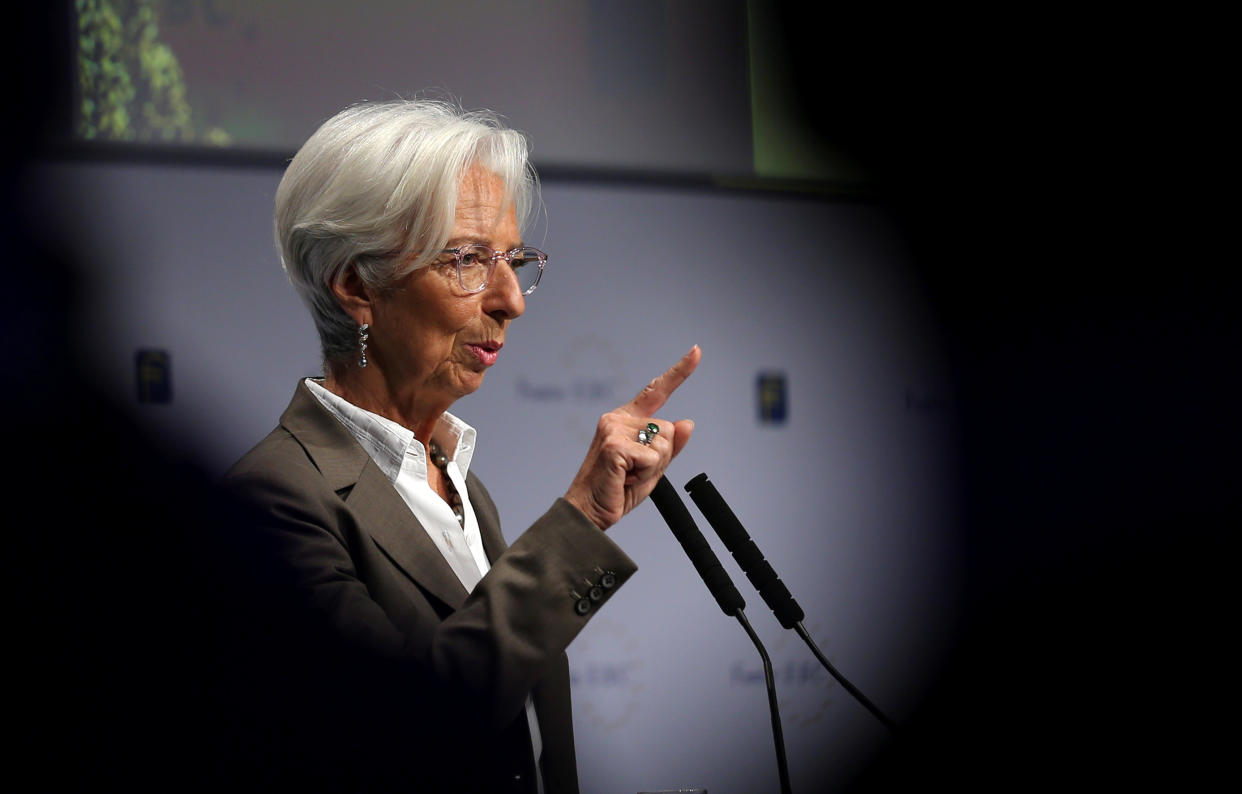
x: 454, y: 499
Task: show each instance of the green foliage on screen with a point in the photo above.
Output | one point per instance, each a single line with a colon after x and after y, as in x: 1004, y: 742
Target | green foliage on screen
x: 132, y: 86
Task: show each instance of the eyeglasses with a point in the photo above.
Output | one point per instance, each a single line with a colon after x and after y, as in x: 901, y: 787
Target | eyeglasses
x: 477, y: 263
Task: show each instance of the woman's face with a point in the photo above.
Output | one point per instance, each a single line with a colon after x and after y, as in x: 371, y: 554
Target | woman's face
x: 433, y: 341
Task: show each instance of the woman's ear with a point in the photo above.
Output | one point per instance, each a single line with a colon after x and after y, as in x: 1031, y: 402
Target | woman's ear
x: 354, y: 296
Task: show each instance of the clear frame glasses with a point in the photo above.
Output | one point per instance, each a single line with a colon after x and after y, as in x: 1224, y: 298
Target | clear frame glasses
x: 477, y: 263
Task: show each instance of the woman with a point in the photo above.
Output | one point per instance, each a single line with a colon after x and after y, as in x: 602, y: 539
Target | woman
x: 429, y: 655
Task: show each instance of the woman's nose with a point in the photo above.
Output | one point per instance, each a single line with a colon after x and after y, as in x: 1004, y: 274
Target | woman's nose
x: 503, y: 294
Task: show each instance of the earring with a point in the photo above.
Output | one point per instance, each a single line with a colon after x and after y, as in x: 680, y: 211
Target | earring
x: 363, y: 336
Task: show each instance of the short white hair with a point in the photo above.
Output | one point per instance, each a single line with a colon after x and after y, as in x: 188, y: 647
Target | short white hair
x: 375, y: 188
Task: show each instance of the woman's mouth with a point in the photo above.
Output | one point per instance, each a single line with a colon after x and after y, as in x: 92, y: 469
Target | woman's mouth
x: 485, y: 352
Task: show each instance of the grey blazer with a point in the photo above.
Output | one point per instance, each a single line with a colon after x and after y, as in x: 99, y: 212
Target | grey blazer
x: 429, y: 681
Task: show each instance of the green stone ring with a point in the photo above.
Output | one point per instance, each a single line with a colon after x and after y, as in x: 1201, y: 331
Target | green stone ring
x: 648, y: 433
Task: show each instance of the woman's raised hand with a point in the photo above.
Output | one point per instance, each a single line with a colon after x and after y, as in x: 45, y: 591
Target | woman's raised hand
x: 620, y: 470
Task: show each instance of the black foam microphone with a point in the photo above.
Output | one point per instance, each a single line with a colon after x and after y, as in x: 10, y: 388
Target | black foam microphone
x: 675, y: 514
x: 765, y: 580
x: 701, y: 555
x: 758, y: 570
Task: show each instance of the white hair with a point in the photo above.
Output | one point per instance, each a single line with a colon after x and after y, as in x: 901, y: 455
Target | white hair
x: 375, y: 188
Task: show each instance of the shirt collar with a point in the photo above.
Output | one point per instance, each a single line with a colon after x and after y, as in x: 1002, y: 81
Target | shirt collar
x: 388, y: 442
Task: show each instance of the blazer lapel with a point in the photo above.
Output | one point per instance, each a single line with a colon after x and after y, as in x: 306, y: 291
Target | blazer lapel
x: 369, y: 495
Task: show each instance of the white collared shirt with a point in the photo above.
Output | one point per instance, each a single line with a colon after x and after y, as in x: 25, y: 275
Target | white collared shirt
x: 403, y: 460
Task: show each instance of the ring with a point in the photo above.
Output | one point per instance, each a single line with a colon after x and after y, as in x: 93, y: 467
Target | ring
x: 648, y: 433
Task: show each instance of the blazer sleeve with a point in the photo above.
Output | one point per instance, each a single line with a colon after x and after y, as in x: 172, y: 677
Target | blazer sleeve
x: 473, y: 659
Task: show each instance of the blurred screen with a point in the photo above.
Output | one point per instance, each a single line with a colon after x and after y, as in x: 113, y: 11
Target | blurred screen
x: 652, y: 85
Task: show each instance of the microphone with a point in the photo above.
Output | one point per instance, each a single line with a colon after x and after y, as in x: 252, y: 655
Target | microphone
x: 691, y: 539
x: 730, y: 600
x: 758, y: 570
x: 765, y: 580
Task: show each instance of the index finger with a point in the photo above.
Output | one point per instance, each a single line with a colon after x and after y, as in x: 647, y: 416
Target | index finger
x: 656, y: 393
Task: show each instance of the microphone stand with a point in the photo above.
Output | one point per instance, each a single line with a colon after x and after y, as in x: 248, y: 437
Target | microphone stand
x: 774, y: 709
x: 760, y: 573
x: 730, y: 600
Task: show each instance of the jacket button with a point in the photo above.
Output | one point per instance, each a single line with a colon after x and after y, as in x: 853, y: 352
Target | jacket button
x: 583, y: 606
x: 608, y: 581
x: 595, y: 593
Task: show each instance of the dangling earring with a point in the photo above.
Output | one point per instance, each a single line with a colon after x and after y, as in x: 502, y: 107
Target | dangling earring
x: 363, y: 336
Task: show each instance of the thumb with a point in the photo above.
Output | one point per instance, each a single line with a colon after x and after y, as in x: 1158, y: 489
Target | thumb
x: 683, y: 429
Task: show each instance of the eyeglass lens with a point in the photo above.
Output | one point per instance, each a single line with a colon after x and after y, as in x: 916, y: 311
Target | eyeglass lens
x: 476, y: 261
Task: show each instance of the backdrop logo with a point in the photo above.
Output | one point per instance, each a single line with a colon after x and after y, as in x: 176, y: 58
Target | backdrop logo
x: 591, y: 375
x: 804, y: 688
x: 153, y: 370
x: 606, y: 675
x: 771, y: 393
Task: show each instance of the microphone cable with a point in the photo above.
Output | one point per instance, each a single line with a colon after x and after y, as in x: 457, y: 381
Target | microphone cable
x: 730, y: 600
x: 760, y: 573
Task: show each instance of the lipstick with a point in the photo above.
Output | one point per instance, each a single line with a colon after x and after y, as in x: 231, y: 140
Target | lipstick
x: 485, y: 352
